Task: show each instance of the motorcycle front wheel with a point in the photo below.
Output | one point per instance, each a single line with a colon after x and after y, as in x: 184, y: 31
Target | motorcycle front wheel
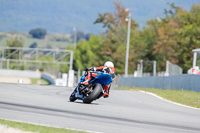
x: 72, y: 97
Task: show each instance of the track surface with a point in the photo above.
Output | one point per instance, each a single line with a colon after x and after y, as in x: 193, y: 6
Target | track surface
x: 124, y: 111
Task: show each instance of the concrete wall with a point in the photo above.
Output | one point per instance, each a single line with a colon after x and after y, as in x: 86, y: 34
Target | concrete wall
x: 19, y: 73
x: 178, y: 82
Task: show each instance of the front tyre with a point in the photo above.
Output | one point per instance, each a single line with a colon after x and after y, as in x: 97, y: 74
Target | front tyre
x: 72, y: 97
x: 94, y: 94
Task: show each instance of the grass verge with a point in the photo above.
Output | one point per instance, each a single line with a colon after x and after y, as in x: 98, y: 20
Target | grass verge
x: 39, y: 81
x: 36, y: 128
x: 190, y: 98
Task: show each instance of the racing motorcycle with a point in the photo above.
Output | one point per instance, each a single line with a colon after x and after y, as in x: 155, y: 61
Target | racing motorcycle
x: 92, y: 91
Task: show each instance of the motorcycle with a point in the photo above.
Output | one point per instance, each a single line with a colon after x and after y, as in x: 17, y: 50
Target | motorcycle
x: 94, y: 90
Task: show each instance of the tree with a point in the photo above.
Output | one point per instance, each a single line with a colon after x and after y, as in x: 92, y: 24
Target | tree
x: 39, y: 33
x: 16, y: 42
x: 171, y: 38
x: 189, y: 37
x: 115, y: 38
x: 80, y: 35
x: 14, y: 53
x: 88, y: 53
x: 113, y: 20
x: 176, y: 35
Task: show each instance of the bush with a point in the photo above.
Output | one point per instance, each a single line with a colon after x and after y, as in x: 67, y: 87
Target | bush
x: 33, y: 45
x: 14, y: 53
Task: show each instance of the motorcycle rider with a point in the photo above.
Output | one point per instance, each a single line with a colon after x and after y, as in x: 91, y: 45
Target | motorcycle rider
x: 91, y: 72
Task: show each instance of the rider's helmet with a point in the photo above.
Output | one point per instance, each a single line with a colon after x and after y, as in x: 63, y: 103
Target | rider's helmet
x: 109, y: 64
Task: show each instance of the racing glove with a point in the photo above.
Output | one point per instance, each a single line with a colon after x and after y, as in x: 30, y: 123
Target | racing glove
x: 106, y: 70
x: 91, y: 69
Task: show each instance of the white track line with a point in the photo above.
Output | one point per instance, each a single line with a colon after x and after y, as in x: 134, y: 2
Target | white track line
x: 169, y: 101
x: 51, y: 126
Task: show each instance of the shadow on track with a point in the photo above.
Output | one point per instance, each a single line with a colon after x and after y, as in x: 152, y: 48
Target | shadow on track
x: 79, y: 102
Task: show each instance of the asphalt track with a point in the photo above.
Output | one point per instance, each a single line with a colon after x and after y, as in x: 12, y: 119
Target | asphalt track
x: 123, y: 112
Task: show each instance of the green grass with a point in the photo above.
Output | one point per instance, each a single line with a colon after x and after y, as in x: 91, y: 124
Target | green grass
x: 190, y: 98
x: 39, y: 81
x: 42, y: 43
x: 36, y: 128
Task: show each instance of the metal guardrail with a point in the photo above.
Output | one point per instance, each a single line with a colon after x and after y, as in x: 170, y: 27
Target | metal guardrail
x: 176, y: 82
x: 21, y: 58
x: 48, y: 78
x: 28, y: 74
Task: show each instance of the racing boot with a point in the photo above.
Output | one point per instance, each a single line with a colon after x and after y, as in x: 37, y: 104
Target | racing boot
x: 106, y: 93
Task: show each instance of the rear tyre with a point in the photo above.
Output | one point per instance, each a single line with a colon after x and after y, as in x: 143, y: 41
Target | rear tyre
x: 94, y: 94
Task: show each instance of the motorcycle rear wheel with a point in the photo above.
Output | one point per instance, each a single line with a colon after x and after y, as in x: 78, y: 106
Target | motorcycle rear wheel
x: 94, y: 94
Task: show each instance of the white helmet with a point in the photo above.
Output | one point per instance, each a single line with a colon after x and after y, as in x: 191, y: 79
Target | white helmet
x: 109, y: 64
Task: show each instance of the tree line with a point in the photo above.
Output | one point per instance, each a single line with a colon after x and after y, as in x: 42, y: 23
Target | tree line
x: 170, y: 38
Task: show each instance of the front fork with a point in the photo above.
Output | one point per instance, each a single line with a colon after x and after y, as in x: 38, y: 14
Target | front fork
x: 77, y: 94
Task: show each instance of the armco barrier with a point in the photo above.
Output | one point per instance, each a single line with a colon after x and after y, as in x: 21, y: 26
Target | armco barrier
x: 178, y: 82
x: 48, y: 78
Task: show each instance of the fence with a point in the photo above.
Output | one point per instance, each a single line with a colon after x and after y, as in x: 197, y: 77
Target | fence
x: 177, y: 82
x: 150, y: 67
x: 51, y: 60
x: 172, y: 69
